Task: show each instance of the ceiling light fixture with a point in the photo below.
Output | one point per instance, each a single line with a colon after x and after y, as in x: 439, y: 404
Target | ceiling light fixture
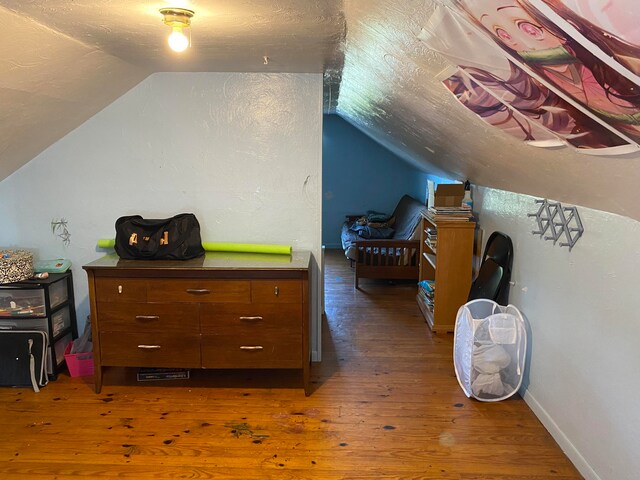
x: 178, y: 19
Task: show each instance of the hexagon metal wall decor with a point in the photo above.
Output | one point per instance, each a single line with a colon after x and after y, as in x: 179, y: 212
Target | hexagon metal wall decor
x: 556, y: 222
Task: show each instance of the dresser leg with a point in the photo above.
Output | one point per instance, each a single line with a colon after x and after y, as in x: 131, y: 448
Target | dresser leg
x: 97, y: 378
x: 305, y: 380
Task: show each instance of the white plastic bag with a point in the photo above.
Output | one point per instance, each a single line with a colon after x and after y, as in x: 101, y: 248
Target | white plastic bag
x: 488, y: 362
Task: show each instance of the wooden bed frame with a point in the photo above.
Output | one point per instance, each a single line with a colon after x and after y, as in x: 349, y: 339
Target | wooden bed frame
x: 387, y: 259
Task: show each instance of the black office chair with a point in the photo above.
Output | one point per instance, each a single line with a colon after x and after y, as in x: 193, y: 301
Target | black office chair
x: 493, y: 277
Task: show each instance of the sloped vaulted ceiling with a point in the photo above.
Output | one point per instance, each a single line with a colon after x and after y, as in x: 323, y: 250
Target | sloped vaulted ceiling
x: 61, y: 61
x: 49, y: 84
x: 390, y: 89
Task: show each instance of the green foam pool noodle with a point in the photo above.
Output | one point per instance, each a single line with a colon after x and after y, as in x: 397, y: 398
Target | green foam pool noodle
x: 246, y: 247
x: 223, y: 247
x: 249, y: 257
x: 106, y: 243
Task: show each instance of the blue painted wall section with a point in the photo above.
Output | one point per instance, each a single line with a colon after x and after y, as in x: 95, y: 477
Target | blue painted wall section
x: 358, y: 175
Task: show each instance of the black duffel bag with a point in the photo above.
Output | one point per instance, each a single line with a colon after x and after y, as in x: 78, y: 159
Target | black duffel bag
x: 175, y: 238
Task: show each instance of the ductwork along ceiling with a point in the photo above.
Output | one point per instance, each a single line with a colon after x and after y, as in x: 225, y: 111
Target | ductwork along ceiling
x: 62, y: 61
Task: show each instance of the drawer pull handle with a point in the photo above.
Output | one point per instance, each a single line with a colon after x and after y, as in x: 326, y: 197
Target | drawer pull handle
x: 147, y: 317
x: 198, y: 291
x: 119, y: 288
x: 277, y: 291
x: 251, y: 347
x: 251, y: 319
x: 149, y: 347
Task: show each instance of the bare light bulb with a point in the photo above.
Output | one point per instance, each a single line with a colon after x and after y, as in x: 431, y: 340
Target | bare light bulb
x: 178, y: 42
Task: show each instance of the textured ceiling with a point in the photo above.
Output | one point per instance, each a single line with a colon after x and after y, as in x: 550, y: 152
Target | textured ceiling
x: 227, y: 35
x: 391, y: 91
x: 62, y: 61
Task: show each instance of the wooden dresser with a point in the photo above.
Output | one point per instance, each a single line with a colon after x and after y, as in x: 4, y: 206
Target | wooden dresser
x: 222, y: 310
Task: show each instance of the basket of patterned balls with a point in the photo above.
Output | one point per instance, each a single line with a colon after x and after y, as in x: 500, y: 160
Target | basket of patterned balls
x: 15, y: 265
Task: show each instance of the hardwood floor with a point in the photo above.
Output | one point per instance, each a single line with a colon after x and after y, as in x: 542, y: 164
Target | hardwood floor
x: 386, y: 404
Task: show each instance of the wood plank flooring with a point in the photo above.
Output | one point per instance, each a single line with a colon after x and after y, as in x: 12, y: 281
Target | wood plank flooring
x: 386, y: 404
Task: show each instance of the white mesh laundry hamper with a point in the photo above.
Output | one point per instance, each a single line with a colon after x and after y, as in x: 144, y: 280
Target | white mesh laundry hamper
x: 489, y: 349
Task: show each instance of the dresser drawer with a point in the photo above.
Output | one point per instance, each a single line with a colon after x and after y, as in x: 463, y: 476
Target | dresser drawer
x: 229, y: 351
x: 276, y: 291
x: 150, y: 349
x: 121, y: 290
x: 147, y: 317
x: 248, y: 319
x: 198, y: 290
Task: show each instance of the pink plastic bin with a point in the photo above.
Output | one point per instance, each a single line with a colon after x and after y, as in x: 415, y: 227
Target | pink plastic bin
x: 79, y: 364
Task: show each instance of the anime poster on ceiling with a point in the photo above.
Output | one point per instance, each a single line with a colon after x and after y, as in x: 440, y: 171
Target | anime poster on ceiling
x: 570, y: 50
x: 496, y: 113
x: 518, y: 101
x: 506, y: 96
x: 597, y: 21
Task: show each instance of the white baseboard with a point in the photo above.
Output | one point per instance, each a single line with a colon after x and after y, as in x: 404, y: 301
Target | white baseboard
x: 558, y: 435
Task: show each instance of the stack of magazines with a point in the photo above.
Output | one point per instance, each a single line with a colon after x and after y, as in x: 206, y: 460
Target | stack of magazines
x: 427, y: 291
x: 450, y: 214
x: 432, y: 238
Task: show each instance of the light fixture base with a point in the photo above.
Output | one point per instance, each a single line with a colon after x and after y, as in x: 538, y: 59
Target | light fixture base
x: 177, y: 17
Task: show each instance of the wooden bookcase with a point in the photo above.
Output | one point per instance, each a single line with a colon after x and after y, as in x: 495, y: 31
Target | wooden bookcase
x: 450, y: 265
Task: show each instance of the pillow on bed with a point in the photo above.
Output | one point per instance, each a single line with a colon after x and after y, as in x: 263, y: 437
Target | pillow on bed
x: 377, y: 217
x: 376, y: 233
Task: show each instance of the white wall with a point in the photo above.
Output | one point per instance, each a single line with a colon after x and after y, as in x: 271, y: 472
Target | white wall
x: 241, y: 151
x: 584, y: 375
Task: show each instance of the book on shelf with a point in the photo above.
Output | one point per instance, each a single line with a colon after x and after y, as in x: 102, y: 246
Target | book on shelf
x: 428, y: 302
x: 427, y: 285
x: 432, y: 236
x: 426, y: 292
x: 147, y: 374
x: 450, y: 214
